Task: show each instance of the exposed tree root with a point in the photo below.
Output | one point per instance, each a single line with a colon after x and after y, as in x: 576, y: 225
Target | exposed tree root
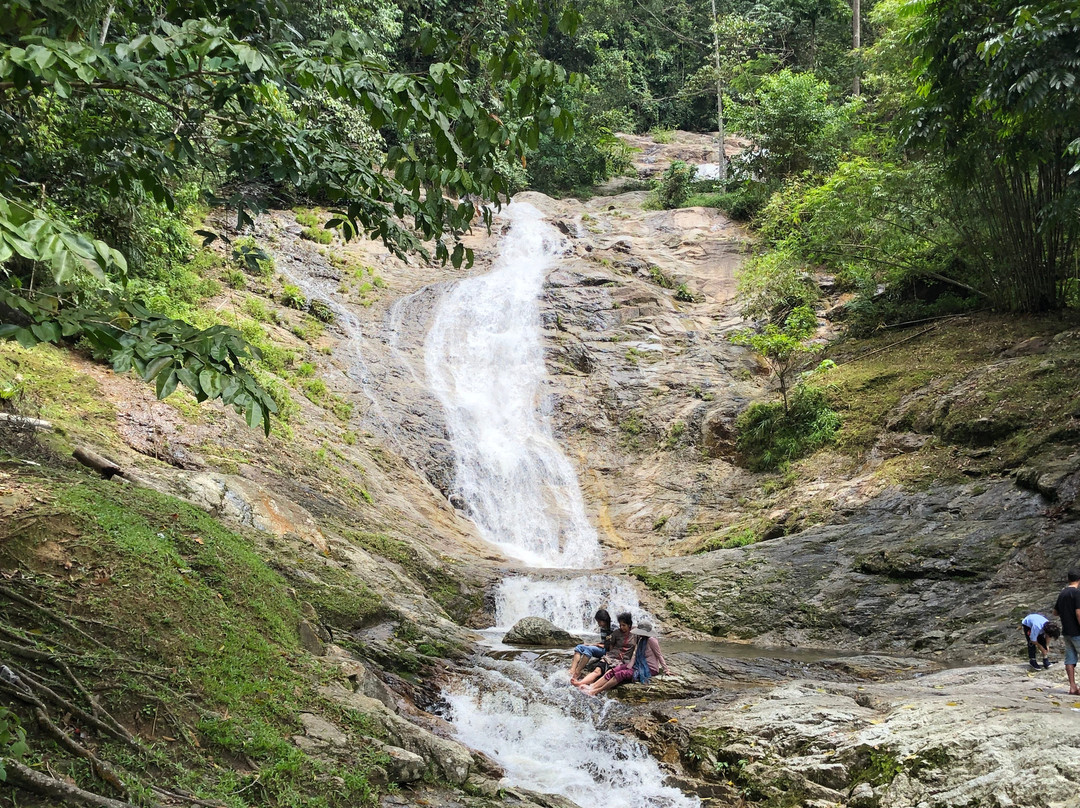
x: 51, y: 614
x: 31, y: 780
x: 102, y: 770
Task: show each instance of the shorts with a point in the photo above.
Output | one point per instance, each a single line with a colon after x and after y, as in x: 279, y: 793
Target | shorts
x: 596, y: 665
x: 620, y: 674
x: 591, y: 651
x: 1072, y: 649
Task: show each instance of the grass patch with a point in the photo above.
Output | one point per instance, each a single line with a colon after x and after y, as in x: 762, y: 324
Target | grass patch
x: 57, y: 388
x: 1022, y: 405
x: 203, y: 645
x: 768, y: 437
x: 663, y: 582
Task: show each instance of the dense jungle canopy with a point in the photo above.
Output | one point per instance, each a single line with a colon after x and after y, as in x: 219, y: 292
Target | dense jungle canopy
x: 926, y: 153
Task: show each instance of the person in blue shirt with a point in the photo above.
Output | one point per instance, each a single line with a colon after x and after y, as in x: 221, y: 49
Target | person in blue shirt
x: 1039, y: 631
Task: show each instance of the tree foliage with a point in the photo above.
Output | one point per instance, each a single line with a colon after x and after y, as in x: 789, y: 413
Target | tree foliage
x: 997, y: 101
x: 795, y: 126
x: 133, y: 101
x: 784, y: 347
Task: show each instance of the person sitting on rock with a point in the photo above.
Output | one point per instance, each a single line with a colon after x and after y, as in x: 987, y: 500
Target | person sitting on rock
x: 620, y: 647
x: 1038, y: 631
x: 583, y: 652
x: 645, y: 662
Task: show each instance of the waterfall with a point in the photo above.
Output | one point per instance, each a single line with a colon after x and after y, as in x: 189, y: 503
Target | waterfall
x: 484, y: 360
x: 485, y: 364
x: 570, y: 603
x: 548, y: 739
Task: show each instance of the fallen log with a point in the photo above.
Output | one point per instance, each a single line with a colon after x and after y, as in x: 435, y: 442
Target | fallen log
x: 105, y: 467
x: 25, y: 422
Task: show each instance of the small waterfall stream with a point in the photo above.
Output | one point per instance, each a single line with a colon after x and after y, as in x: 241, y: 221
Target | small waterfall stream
x: 485, y: 364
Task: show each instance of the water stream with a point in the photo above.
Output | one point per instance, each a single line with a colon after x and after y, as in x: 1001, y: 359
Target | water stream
x: 485, y: 364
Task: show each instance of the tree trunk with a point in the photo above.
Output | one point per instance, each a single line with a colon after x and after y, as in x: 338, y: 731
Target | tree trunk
x: 721, y: 161
x: 856, y: 41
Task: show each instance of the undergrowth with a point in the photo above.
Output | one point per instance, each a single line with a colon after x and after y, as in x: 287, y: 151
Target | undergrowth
x: 192, y: 645
x: 767, y: 436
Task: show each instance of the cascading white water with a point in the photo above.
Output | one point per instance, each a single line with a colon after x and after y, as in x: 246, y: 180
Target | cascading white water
x: 351, y: 349
x: 570, y: 604
x: 485, y: 364
x: 538, y: 731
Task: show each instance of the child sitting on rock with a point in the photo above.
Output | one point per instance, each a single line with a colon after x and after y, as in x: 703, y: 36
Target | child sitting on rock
x: 620, y: 647
x: 585, y: 652
x: 645, y: 662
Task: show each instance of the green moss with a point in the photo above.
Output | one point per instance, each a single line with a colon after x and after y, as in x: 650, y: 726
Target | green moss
x: 340, y: 598
x: 57, y: 388
x: 190, y: 607
x: 875, y: 765
x: 663, y: 582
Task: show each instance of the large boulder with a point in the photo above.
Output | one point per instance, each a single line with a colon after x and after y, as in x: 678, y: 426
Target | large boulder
x: 540, y: 632
x: 448, y: 758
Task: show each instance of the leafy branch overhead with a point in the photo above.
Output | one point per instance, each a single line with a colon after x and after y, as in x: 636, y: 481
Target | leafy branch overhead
x: 236, y: 102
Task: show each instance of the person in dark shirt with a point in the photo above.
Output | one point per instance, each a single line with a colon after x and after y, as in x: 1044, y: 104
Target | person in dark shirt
x: 620, y: 649
x: 585, y: 652
x: 1068, y: 609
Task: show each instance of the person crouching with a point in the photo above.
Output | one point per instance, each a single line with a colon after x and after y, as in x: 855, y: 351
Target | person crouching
x: 1039, y: 631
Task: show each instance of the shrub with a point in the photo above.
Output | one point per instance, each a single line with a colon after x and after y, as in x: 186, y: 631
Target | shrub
x: 675, y: 184
x: 317, y: 234
x: 292, y: 297
x: 321, y: 311
x: 256, y: 308
x: 305, y: 217
x: 684, y: 295
x: 774, y: 284
x: 315, y: 390
x: 767, y: 437
x: 795, y: 126
x: 742, y: 203
x: 783, y: 347
x: 234, y: 279
x: 253, y: 258
x: 309, y: 330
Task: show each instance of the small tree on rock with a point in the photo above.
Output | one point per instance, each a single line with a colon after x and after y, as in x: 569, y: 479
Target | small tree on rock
x: 783, y: 346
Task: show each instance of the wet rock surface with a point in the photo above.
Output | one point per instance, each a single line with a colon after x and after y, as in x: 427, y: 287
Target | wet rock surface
x: 990, y: 735
x: 948, y: 570
x: 536, y: 631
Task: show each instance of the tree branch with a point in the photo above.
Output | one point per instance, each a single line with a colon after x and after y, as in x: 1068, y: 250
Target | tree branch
x: 32, y: 780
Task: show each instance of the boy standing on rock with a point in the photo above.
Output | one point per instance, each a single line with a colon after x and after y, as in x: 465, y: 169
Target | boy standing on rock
x: 1068, y: 609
